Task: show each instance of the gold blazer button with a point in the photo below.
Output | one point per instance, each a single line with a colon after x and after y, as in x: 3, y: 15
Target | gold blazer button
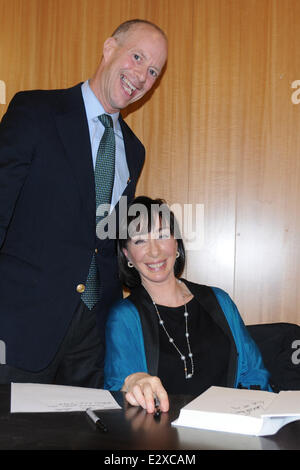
x: 80, y: 288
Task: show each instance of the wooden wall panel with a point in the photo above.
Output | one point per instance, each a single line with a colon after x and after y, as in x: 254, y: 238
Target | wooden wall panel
x: 220, y: 129
x: 268, y: 189
x: 215, y: 121
x: 164, y: 119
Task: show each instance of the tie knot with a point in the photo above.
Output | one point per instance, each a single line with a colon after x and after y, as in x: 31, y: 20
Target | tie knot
x: 106, y: 120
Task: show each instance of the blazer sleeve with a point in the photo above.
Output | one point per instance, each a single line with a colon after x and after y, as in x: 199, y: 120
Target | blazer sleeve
x: 18, y: 132
x: 125, y: 352
x: 250, y: 368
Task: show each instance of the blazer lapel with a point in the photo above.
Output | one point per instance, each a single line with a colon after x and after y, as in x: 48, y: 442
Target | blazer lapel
x: 74, y: 133
x: 135, y: 160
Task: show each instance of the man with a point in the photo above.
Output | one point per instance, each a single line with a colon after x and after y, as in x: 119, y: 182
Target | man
x: 52, y: 144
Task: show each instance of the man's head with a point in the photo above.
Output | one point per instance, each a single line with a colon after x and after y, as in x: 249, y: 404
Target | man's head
x: 133, y: 58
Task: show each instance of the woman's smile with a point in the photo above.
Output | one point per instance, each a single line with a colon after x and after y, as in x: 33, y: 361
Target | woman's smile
x: 156, y: 266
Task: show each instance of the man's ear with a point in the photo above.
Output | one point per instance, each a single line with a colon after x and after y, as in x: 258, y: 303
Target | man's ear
x: 109, y: 46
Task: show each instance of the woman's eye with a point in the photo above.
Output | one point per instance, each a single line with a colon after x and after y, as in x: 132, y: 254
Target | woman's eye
x: 164, y: 234
x: 138, y: 241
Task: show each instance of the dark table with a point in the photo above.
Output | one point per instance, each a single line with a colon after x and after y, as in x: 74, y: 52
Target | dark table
x: 129, y: 429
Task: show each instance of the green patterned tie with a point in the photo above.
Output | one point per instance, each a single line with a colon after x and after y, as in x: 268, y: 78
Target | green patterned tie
x: 104, y: 180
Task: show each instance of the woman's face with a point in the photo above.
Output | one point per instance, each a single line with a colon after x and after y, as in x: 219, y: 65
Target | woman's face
x: 153, y: 254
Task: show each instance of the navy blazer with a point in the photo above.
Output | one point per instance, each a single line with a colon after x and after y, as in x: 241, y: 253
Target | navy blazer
x: 47, y: 221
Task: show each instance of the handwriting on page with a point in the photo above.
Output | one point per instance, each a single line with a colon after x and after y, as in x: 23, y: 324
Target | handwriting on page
x: 77, y: 405
x: 251, y: 408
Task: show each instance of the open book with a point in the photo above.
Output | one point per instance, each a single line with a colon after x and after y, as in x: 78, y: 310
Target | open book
x: 252, y: 412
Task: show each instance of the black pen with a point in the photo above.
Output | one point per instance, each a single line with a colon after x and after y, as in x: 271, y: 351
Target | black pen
x: 157, y: 411
x: 96, y: 420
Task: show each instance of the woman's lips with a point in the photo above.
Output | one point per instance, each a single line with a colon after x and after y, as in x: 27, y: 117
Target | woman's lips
x: 156, y: 266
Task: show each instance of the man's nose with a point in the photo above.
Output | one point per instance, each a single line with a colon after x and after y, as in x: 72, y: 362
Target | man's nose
x: 141, y: 73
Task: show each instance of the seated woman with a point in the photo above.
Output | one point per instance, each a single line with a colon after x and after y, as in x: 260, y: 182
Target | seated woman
x: 171, y: 336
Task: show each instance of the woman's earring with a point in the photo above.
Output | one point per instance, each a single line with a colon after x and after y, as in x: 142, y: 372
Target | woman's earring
x: 177, y: 254
x: 130, y: 264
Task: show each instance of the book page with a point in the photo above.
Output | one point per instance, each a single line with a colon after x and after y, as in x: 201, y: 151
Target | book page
x: 287, y: 403
x: 233, y: 401
x: 33, y: 398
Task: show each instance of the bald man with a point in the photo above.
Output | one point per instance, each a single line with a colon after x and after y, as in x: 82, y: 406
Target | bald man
x: 49, y: 149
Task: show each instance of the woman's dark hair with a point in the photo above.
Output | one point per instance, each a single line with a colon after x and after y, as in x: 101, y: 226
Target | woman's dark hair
x: 143, y: 210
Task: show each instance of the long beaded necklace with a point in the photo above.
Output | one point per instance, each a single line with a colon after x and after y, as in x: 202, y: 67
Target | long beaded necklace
x: 188, y: 375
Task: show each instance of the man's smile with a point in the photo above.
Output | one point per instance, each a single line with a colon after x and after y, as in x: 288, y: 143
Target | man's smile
x: 127, y: 85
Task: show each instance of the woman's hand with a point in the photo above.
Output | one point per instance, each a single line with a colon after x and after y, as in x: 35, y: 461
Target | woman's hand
x: 141, y: 388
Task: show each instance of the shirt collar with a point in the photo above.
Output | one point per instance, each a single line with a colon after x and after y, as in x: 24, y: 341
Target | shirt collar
x: 93, y: 106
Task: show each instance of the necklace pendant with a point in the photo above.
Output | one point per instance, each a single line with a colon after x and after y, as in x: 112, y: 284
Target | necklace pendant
x: 171, y: 340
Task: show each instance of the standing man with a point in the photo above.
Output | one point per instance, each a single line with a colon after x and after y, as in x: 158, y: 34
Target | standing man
x: 62, y: 154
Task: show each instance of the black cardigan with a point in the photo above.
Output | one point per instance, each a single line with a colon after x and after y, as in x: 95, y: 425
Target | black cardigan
x: 208, y: 301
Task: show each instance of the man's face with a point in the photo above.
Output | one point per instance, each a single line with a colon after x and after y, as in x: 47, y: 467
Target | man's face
x: 131, y: 66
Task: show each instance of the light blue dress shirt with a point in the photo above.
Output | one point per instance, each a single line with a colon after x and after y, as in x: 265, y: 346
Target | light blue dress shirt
x: 94, y: 109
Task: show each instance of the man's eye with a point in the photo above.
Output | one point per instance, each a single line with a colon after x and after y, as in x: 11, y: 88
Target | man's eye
x: 153, y: 73
x: 137, y: 57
